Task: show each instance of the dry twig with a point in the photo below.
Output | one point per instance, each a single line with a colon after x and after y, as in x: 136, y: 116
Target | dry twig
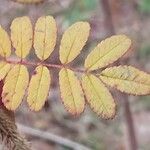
x: 52, y: 137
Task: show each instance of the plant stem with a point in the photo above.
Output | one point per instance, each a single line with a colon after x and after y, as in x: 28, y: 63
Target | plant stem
x: 108, y: 20
x: 58, y: 66
x: 127, y: 112
x: 129, y: 123
x: 52, y: 137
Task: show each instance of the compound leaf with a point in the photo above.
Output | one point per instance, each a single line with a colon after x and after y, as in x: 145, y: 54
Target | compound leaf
x: 4, y: 69
x: 38, y: 88
x: 45, y: 34
x: 98, y: 97
x: 22, y: 36
x: 127, y: 79
x: 14, y: 87
x: 107, y: 52
x: 71, y: 92
x: 5, y: 43
x: 73, y: 41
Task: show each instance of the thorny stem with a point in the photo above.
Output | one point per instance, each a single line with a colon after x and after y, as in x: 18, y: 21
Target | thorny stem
x: 58, y: 66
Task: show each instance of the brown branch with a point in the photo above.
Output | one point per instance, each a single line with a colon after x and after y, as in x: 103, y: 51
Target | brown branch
x: 129, y: 123
x: 127, y: 112
x: 51, y: 137
x: 107, y: 17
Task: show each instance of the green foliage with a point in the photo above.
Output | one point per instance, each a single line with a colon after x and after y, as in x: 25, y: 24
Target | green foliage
x: 144, y: 6
x: 144, y: 52
x: 143, y: 103
x: 96, y: 142
x: 80, y: 10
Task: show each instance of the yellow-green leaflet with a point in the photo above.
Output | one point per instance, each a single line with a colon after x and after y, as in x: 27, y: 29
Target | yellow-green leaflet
x: 4, y: 69
x: 14, y: 87
x: 5, y: 43
x: 38, y: 88
x: 22, y: 36
x: 71, y: 92
x: 127, y: 79
x: 45, y: 34
x: 73, y: 41
x: 98, y: 97
x: 107, y: 52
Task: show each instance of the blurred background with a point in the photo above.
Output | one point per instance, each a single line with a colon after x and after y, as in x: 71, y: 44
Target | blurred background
x: 130, y: 129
